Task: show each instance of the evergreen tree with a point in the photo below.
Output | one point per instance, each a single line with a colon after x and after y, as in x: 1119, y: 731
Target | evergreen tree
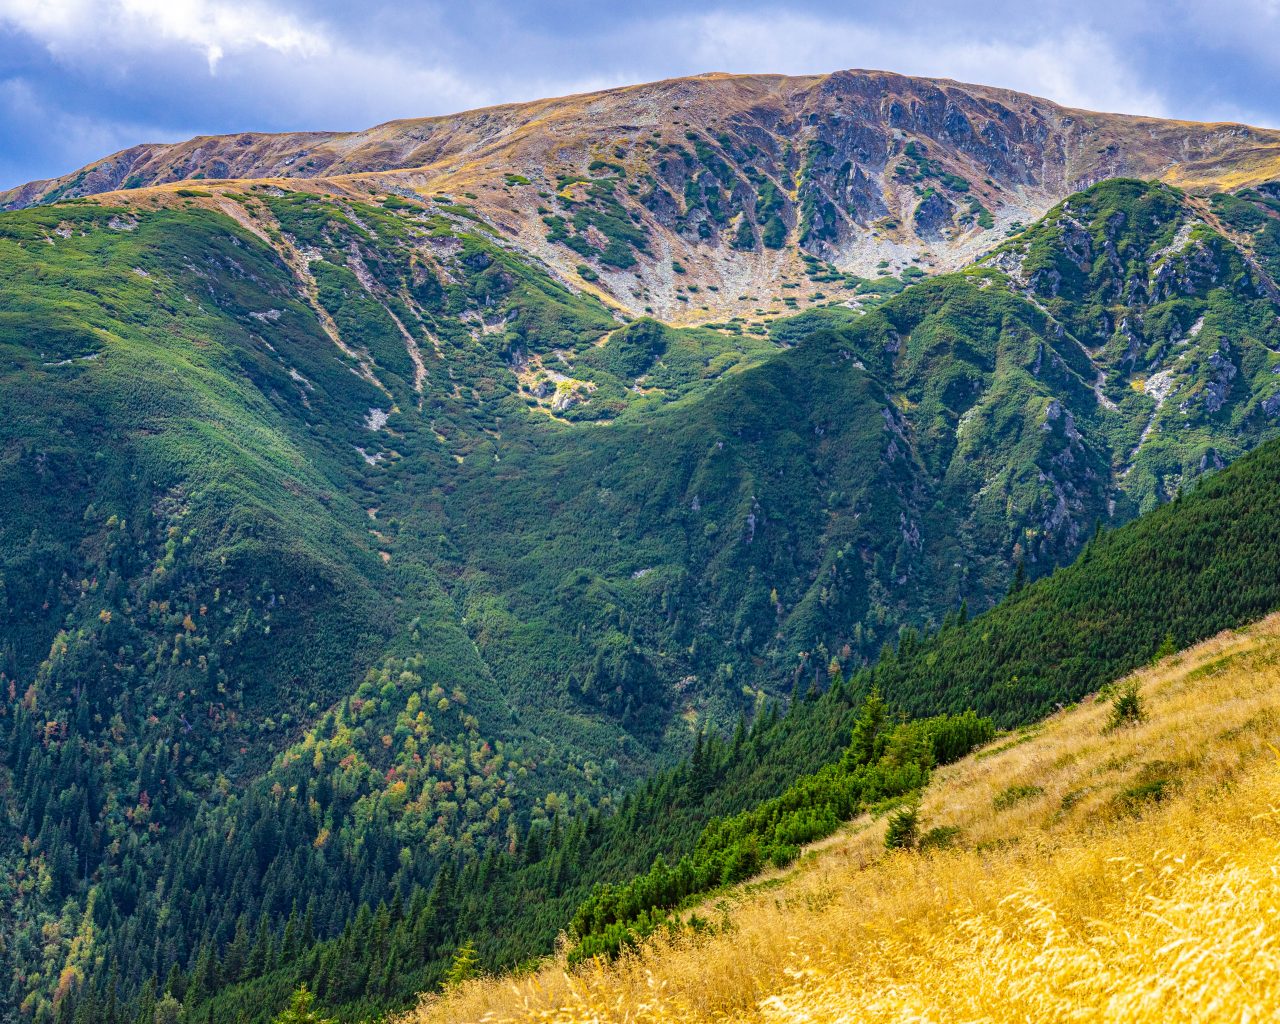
x: 867, y: 740
x: 466, y: 965
x: 1019, y: 578
x: 299, y: 1010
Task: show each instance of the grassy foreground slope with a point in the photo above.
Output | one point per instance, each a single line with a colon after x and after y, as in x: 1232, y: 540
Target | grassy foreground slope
x: 1093, y: 874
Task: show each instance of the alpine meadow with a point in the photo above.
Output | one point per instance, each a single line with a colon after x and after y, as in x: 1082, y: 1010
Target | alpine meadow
x: 738, y: 548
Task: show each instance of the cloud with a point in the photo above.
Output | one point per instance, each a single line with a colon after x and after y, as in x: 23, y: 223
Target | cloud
x: 1077, y: 68
x: 1243, y: 28
x: 269, y: 66
x: 214, y: 28
x: 59, y: 139
x: 223, y: 65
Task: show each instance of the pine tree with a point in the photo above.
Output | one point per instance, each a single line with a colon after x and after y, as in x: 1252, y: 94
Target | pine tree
x: 147, y: 1003
x: 204, y: 975
x: 867, y: 741
x: 233, y: 963
x: 1019, y: 578
x: 466, y: 965
x: 299, y: 1010
x: 904, y: 829
x: 175, y: 984
x: 258, y: 961
x: 308, y: 924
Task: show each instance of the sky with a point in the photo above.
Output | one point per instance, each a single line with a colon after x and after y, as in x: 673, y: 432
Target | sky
x: 82, y: 78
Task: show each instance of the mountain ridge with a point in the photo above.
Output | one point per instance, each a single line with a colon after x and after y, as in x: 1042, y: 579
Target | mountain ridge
x: 729, y: 177
x: 20, y: 195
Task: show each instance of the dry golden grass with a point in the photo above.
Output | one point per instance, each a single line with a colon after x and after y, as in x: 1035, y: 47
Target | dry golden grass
x: 1073, y: 903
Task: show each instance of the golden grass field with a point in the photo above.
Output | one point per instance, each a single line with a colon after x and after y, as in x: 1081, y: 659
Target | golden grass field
x: 1066, y: 897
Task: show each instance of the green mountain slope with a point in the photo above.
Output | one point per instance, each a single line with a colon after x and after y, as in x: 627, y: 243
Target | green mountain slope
x: 882, y: 470
x: 349, y: 531
x: 1050, y: 643
x: 1184, y: 572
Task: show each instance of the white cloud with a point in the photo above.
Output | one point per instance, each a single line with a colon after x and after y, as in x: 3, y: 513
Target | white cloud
x: 313, y: 75
x: 1240, y: 27
x: 1077, y: 68
x: 261, y: 54
x: 290, y: 53
x: 302, y: 64
x: 214, y: 28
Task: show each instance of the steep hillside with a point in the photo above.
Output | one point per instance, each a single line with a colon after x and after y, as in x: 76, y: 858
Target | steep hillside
x: 725, y: 177
x: 305, y: 491
x: 885, y: 464
x: 1179, y: 573
x: 192, y: 568
x: 1191, y: 568
x: 1069, y: 870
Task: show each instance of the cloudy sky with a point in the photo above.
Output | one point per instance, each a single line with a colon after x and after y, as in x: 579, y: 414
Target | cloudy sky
x: 82, y: 78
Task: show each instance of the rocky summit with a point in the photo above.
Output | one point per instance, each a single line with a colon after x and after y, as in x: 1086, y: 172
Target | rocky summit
x: 731, y: 179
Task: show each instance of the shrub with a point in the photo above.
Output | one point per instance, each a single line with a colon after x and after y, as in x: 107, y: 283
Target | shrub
x: 1126, y: 708
x: 1153, y: 783
x: 904, y: 829
x: 953, y: 736
x: 940, y: 838
x: 1014, y: 794
x: 774, y: 234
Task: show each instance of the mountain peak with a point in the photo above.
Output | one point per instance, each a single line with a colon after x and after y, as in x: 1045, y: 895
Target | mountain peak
x: 731, y: 178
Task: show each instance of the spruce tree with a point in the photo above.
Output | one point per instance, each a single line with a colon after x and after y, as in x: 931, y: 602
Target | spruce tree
x: 466, y: 965
x: 299, y: 1010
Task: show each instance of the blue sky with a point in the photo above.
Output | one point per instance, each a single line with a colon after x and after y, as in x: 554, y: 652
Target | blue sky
x: 82, y: 78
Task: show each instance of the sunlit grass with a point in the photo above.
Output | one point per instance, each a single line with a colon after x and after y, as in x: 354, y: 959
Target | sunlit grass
x: 1139, y: 884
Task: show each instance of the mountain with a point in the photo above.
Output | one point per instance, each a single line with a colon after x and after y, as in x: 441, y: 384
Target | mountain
x: 341, y: 520
x: 728, y: 177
